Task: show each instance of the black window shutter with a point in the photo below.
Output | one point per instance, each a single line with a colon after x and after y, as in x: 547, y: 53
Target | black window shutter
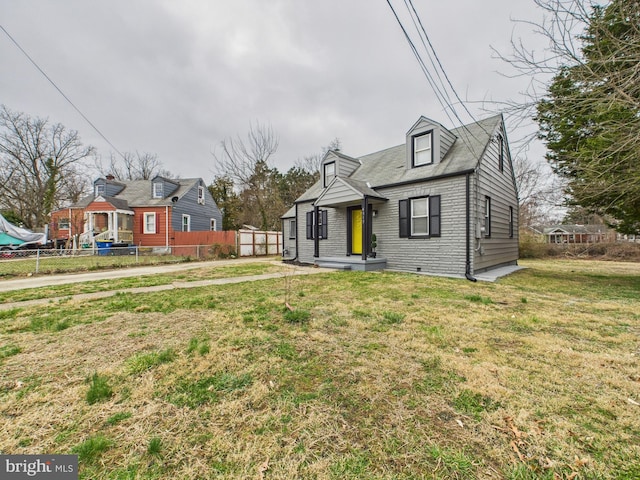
x: 404, y: 218
x: 325, y: 231
x: 309, y: 225
x: 434, y: 216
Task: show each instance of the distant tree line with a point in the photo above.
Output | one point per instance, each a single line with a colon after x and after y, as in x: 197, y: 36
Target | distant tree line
x: 252, y: 192
x: 44, y: 166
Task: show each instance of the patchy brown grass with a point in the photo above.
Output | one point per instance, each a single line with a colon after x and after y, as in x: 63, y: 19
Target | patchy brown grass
x: 388, y: 376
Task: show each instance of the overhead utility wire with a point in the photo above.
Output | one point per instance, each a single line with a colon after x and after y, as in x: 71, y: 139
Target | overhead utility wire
x: 431, y: 53
x: 60, y: 91
x: 438, y: 94
x: 438, y: 90
x: 434, y: 87
x: 435, y: 55
x: 422, y: 40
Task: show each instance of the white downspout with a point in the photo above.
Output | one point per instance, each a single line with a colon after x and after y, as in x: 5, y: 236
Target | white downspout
x: 166, y: 230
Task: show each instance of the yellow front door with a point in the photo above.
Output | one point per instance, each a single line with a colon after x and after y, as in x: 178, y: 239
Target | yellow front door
x: 356, y: 232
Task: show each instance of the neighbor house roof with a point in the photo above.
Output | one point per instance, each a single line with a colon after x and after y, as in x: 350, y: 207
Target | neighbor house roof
x: 389, y: 167
x: 138, y: 193
x: 576, y: 229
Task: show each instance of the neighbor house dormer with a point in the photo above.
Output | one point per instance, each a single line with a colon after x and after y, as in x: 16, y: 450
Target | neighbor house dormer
x: 335, y: 164
x: 107, y: 187
x: 162, y: 187
x: 427, y: 143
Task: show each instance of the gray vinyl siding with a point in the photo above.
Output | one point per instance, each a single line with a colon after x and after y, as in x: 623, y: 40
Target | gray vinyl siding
x: 346, y: 167
x: 111, y: 189
x: 446, y: 140
x: 339, y: 193
x: 336, y: 242
x: 201, y: 215
x: 438, y: 255
x: 499, y: 248
x: 305, y: 246
x: 168, y: 187
x: 289, y: 244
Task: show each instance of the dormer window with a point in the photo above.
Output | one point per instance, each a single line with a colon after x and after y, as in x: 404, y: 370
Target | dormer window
x: 500, y: 153
x: 101, y: 189
x: 329, y: 172
x: 158, y: 190
x: 422, y: 151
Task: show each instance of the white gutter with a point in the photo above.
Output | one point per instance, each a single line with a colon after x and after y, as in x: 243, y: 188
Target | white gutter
x: 166, y: 230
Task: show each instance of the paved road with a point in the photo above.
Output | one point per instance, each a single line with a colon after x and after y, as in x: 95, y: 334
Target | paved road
x: 52, y: 280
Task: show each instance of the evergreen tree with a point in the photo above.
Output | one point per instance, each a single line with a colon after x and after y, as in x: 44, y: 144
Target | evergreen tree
x: 590, y: 119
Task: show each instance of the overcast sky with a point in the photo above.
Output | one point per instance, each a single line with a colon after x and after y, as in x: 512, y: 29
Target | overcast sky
x: 175, y: 77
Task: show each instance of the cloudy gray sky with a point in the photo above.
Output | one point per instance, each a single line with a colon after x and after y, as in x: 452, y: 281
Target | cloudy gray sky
x: 175, y: 78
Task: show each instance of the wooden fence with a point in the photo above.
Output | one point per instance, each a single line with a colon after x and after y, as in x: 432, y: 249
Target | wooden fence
x: 246, y: 243
x: 257, y: 243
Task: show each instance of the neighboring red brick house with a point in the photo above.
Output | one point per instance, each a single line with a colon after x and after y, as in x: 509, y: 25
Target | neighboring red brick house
x: 140, y: 212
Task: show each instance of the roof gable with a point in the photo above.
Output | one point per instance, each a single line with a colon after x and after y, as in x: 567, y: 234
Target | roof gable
x: 388, y: 167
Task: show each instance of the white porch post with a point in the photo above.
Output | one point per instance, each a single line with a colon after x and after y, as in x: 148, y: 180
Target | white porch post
x: 90, y: 225
x: 115, y: 227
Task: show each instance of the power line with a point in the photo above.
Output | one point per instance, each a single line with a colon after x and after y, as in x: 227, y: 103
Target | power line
x: 423, y: 67
x: 60, y: 91
x: 438, y: 86
x: 413, y: 8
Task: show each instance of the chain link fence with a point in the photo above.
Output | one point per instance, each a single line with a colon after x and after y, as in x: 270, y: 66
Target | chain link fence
x: 16, y: 263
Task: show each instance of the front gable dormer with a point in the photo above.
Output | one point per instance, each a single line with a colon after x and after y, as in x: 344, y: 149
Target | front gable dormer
x: 107, y: 187
x: 335, y: 164
x: 162, y: 187
x: 427, y: 143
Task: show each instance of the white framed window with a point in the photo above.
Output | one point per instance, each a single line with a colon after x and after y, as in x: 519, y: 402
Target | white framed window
x: 422, y: 151
x: 487, y: 216
x: 500, y: 153
x: 419, y: 216
x: 101, y: 189
x: 213, y: 224
x: 510, y: 222
x: 201, y: 195
x: 149, y: 220
x: 292, y: 229
x: 158, y: 190
x: 186, y: 223
x: 329, y: 172
x: 64, y: 224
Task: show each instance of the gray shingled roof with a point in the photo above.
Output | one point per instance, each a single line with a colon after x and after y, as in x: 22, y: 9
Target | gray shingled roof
x: 388, y: 167
x: 138, y: 193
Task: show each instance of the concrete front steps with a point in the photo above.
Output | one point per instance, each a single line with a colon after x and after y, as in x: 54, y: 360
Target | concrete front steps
x: 352, y: 263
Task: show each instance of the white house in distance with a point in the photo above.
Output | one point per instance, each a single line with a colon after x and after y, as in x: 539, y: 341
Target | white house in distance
x: 443, y: 202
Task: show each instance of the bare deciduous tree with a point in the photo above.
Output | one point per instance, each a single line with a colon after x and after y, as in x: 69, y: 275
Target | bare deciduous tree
x: 247, y: 164
x: 311, y: 163
x: 133, y: 166
x: 585, y: 95
x: 37, y: 161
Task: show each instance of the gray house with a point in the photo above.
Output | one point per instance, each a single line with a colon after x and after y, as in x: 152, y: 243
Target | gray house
x: 443, y: 202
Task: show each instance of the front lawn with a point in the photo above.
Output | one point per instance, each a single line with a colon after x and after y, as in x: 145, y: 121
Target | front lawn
x: 369, y: 375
